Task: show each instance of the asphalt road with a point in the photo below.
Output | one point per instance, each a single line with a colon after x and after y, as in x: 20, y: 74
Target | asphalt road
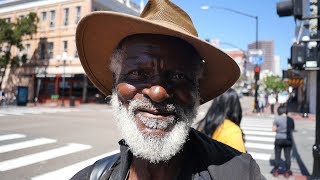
x: 53, y: 143
x: 72, y: 135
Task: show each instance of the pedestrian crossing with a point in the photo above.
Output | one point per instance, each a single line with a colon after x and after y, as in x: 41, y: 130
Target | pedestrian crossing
x: 20, y: 111
x: 258, y: 134
x: 259, y: 137
x: 10, y: 143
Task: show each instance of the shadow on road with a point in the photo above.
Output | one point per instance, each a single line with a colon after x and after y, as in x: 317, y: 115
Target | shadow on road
x: 295, y: 155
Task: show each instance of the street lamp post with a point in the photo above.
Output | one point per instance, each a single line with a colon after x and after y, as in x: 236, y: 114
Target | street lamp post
x: 237, y: 12
x: 257, y: 46
x: 64, y: 59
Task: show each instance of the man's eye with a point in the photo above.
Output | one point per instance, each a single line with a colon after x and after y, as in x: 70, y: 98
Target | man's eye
x: 137, y: 74
x: 178, y: 76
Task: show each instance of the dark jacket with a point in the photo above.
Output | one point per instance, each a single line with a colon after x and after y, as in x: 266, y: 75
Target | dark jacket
x: 203, y: 158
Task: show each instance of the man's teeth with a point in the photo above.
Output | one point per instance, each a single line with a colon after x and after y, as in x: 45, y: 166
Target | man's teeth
x: 154, y: 124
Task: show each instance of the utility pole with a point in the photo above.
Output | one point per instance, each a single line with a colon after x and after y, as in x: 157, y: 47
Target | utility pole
x: 316, y: 146
x: 256, y: 104
x: 315, y: 34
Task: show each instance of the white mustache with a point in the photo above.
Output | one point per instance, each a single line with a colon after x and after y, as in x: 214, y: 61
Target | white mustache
x: 162, y: 107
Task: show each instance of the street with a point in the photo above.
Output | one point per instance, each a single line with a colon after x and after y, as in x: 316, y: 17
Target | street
x: 54, y: 142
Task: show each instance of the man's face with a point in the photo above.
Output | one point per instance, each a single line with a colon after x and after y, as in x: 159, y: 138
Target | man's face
x: 157, y: 87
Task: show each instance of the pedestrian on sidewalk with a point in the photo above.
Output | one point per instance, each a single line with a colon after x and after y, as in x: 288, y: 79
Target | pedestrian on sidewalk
x: 158, y: 72
x: 222, y: 121
x: 261, y: 102
x: 283, y: 125
x: 272, y: 101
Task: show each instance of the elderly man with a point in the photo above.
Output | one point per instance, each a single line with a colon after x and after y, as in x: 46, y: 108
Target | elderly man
x: 158, y: 72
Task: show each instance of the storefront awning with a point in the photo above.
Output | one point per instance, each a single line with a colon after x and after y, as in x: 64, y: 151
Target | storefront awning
x: 52, y: 71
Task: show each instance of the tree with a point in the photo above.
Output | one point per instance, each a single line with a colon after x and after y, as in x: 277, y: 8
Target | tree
x: 11, y: 36
x: 275, y: 84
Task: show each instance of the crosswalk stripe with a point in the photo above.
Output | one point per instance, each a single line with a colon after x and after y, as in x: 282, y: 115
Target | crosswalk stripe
x: 259, y: 133
x: 259, y: 145
x: 38, y: 157
x: 26, y: 144
x: 32, y: 111
x: 258, y: 122
x: 256, y: 128
x: 67, y: 172
x: 260, y: 156
x: 258, y: 119
x: 259, y: 138
x: 28, y: 110
x: 12, y: 113
x: 256, y: 125
x: 11, y: 136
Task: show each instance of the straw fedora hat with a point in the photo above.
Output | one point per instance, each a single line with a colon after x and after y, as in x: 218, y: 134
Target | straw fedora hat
x: 99, y: 33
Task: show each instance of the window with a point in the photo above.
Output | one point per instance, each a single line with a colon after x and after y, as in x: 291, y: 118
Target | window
x: 65, y: 46
x: 42, y: 51
x: 78, y: 15
x: 8, y: 20
x: 76, y: 55
x: 28, y: 51
x: 66, y: 16
x: 53, y: 18
x: 50, y: 50
x: 20, y: 53
x: 43, y: 16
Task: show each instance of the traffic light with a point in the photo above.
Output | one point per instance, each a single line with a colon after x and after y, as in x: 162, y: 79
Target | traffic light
x: 257, y: 73
x: 298, y: 55
x: 290, y: 7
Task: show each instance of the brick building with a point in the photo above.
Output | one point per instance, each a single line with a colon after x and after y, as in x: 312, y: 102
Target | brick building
x: 52, y: 54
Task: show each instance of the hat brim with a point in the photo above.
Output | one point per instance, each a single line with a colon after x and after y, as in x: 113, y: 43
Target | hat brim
x: 99, y: 33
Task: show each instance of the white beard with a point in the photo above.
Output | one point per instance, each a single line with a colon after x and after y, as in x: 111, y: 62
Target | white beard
x: 154, y: 149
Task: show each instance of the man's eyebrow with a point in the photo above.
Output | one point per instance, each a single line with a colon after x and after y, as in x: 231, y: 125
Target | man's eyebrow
x: 139, y: 59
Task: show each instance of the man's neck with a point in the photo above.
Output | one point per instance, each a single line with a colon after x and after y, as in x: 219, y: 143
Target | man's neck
x: 141, y: 169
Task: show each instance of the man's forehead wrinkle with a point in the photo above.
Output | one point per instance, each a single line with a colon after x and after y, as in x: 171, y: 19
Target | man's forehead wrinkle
x: 141, y: 59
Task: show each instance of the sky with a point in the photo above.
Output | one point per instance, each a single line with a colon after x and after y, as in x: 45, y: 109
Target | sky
x: 240, y: 30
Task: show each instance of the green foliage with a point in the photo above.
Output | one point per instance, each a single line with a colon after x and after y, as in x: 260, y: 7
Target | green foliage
x: 12, y: 34
x: 274, y: 83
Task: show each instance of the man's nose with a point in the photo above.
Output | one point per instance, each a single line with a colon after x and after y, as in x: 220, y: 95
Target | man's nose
x: 156, y: 93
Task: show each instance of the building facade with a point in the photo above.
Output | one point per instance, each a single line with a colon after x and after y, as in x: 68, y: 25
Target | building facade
x: 277, y: 66
x: 53, y: 71
x: 239, y: 56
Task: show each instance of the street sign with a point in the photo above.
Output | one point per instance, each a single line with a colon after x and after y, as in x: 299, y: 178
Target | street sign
x: 255, y: 52
x: 256, y: 59
x: 311, y: 64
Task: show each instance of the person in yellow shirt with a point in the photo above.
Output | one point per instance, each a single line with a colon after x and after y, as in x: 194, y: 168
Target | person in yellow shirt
x: 222, y: 121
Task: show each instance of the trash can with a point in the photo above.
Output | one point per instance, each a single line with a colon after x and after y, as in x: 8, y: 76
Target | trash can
x: 22, y: 96
x: 72, y: 101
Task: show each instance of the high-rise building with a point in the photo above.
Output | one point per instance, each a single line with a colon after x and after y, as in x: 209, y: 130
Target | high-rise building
x: 277, y: 66
x: 53, y: 70
x: 267, y: 47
